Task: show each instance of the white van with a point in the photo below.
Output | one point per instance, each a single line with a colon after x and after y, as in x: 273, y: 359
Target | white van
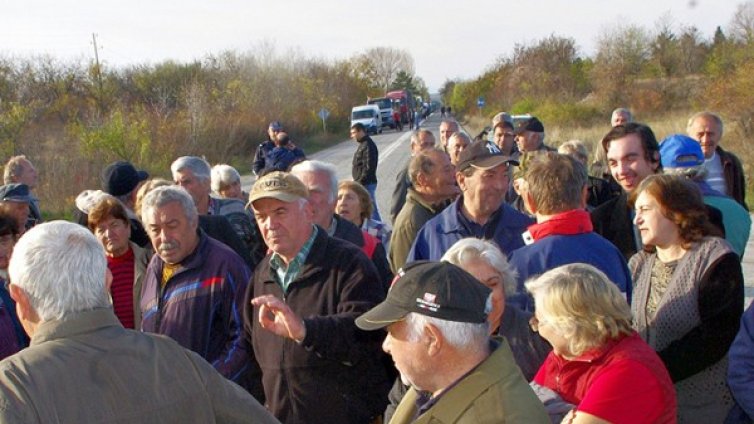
x: 368, y: 116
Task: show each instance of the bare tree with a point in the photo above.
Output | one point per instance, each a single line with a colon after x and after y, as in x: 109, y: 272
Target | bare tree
x: 742, y: 23
x: 382, y: 64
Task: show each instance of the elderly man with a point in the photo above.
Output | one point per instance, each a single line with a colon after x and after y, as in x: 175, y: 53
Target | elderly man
x: 438, y: 336
x: 620, y: 116
x: 194, y: 285
x: 556, y: 191
x: 456, y: 143
x: 265, y: 147
x: 122, y: 180
x: 194, y: 174
x: 226, y: 183
x: 724, y: 171
x: 483, y: 176
x: 82, y: 365
x: 20, y: 170
x: 632, y: 154
x: 433, y: 180
x: 420, y: 140
x: 321, y: 181
x: 317, y: 367
x: 447, y: 128
x: 682, y: 155
x: 14, y: 202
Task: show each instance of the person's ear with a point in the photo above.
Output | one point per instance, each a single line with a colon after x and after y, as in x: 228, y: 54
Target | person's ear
x: 108, y: 280
x: 26, y: 313
x: 529, y: 203
x: 433, y: 340
x: 584, y: 197
x: 461, y: 180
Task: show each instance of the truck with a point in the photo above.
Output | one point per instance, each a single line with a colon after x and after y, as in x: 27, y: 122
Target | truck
x: 386, y: 110
x: 405, y: 102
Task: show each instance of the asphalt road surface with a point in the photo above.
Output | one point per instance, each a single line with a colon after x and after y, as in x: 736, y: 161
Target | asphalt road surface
x: 394, y: 148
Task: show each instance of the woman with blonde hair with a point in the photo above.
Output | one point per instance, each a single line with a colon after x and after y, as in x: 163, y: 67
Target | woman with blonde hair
x: 599, y: 365
x: 688, y: 294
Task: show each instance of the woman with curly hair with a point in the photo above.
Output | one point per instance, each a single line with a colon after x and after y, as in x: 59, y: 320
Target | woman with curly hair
x: 688, y: 294
x: 599, y: 370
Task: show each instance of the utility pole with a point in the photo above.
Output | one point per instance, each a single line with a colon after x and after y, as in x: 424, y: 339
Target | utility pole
x: 97, y: 72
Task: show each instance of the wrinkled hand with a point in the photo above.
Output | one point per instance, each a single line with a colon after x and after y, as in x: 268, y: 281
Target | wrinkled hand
x: 276, y: 316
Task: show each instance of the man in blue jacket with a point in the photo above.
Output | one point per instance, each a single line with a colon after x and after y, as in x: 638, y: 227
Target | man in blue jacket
x: 484, y: 176
x: 194, y: 285
x: 555, y: 191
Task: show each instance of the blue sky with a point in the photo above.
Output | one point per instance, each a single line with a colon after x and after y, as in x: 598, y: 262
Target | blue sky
x: 447, y: 39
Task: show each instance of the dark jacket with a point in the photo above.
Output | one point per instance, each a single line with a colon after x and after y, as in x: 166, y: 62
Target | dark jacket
x: 415, y: 213
x: 281, y: 158
x: 364, y: 169
x: 260, y: 156
x: 734, y: 176
x: 402, y: 184
x: 348, y: 231
x: 335, y: 375
x: 219, y: 228
x: 200, y: 305
x: 612, y: 220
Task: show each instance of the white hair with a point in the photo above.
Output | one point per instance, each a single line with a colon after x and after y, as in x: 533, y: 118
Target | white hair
x: 464, y: 336
x: 61, y: 268
x: 469, y: 249
x: 198, y: 166
x: 319, y: 166
x: 223, y: 175
x: 161, y: 196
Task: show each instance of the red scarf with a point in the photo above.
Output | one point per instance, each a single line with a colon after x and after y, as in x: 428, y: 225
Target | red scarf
x: 572, y: 222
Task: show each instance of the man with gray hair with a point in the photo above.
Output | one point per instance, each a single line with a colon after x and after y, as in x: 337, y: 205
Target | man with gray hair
x: 724, y: 171
x: 194, y: 174
x: 20, y: 170
x: 438, y: 336
x: 447, y: 128
x: 60, y: 285
x: 321, y: 181
x: 682, y: 155
x: 433, y: 183
x: 621, y: 116
x: 194, y: 285
x: 420, y: 140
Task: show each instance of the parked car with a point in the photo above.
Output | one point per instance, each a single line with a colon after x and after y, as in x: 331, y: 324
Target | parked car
x: 368, y: 116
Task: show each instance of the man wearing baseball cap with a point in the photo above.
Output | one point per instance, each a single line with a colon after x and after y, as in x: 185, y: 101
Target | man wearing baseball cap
x: 265, y: 147
x: 438, y: 336
x: 483, y: 175
x: 14, y: 201
x: 299, y: 313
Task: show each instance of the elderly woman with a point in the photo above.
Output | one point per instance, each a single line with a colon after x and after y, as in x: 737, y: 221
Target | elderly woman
x: 598, y: 364
x: 127, y: 262
x: 688, y: 294
x: 226, y: 182
x: 486, y: 263
x: 355, y: 205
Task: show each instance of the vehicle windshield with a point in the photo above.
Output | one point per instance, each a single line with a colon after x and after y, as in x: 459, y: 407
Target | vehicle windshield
x: 381, y: 103
x: 362, y: 114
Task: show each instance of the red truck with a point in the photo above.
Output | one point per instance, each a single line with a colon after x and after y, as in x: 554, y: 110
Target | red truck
x: 405, y: 101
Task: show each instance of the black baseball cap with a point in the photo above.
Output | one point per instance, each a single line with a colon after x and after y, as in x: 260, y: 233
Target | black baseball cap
x: 121, y: 178
x: 436, y: 289
x: 482, y: 154
x: 531, y: 124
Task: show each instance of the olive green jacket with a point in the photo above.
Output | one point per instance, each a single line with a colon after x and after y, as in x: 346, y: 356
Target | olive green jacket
x: 494, y: 392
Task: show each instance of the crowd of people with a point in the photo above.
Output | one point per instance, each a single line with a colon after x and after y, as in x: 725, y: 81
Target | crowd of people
x: 517, y: 283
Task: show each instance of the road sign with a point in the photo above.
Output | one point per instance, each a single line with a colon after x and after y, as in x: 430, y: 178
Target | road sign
x: 480, y: 101
x: 323, y: 114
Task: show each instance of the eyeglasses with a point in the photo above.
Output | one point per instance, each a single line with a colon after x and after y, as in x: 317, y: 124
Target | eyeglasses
x: 535, y: 323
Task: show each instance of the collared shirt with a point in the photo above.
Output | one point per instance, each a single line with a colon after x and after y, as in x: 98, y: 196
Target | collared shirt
x: 284, y: 275
x: 473, y: 229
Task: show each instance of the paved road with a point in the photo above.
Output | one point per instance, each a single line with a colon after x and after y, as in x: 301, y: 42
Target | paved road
x: 394, y: 154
